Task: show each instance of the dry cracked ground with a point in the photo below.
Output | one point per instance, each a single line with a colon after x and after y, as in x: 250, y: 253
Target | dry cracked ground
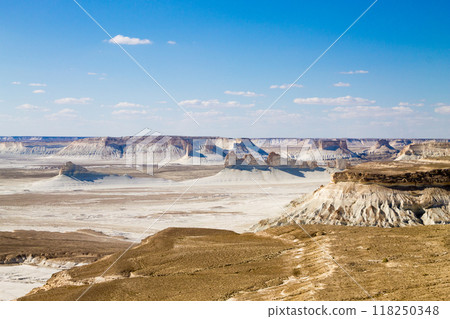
x: 281, y: 263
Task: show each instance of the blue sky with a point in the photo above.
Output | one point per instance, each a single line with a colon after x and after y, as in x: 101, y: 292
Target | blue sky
x: 225, y: 62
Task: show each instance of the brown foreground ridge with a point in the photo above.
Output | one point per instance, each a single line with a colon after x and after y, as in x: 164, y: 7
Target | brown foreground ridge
x: 280, y: 263
x: 82, y: 246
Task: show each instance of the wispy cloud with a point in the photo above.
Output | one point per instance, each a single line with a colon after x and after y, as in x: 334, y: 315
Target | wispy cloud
x: 127, y: 104
x: 120, y: 39
x: 31, y: 107
x: 285, y: 86
x: 38, y: 91
x: 243, y: 93
x: 410, y: 104
x: 360, y: 111
x: 402, y: 109
x: 341, y: 84
x: 278, y: 116
x: 343, y: 100
x: 72, y: 100
x: 171, y: 42
x: 64, y: 113
x: 129, y: 112
x: 355, y: 72
x: 445, y: 109
x: 16, y: 83
x: 92, y: 73
x: 207, y: 114
x: 213, y: 104
x: 37, y: 84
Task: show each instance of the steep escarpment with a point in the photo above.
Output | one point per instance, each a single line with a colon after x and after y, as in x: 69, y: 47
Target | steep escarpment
x: 381, y: 150
x: 79, y: 172
x: 207, y: 149
x: 27, y: 148
x: 374, y: 196
x: 105, y: 147
x: 354, y: 204
x: 428, y: 150
x: 435, y: 177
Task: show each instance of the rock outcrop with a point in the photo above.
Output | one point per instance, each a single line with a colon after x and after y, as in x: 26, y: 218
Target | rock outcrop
x: 381, y: 150
x: 380, y: 194
x: 79, y: 172
x: 356, y: 204
x: 427, y: 150
x: 432, y: 178
x: 105, y: 148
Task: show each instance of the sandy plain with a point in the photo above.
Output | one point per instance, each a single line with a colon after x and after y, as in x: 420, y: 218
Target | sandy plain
x: 132, y: 204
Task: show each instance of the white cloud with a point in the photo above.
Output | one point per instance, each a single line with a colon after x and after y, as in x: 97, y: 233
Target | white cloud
x: 213, y: 104
x: 343, y: 100
x: 445, y: 109
x: 38, y: 91
x: 64, y: 113
x: 120, y: 39
x: 341, y: 84
x: 402, y: 109
x: 355, y: 72
x: 128, y: 112
x: 16, y: 83
x: 37, y: 84
x: 277, y: 116
x: 127, y: 104
x: 72, y: 100
x: 351, y: 112
x: 285, y: 86
x: 243, y: 93
x: 207, y: 114
x: 31, y: 107
x: 171, y: 42
x: 27, y: 106
x: 92, y: 73
x: 410, y: 104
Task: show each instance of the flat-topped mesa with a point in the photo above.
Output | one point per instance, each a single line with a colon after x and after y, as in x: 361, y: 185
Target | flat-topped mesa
x: 247, y: 160
x: 332, y: 144
x: 427, y: 150
x: 382, y: 148
x: 104, y: 147
x: 79, y: 172
x: 274, y: 159
x: 72, y: 170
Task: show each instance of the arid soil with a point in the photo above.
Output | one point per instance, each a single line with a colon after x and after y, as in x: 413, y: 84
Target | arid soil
x: 176, y: 173
x: 281, y: 263
x: 83, y: 246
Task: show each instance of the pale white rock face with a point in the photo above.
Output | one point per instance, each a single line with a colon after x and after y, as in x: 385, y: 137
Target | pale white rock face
x: 19, y: 148
x: 209, y: 149
x: 93, y: 148
x: 424, y: 151
x: 349, y: 203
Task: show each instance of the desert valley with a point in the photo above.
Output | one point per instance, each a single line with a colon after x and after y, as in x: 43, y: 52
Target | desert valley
x: 211, y: 218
